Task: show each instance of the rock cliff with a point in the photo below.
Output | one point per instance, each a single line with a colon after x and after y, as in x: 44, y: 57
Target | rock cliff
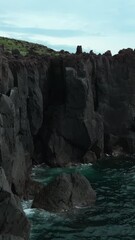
x: 64, y: 109
x: 13, y: 222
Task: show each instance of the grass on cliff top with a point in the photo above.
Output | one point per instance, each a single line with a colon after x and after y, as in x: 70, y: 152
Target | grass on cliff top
x: 24, y: 47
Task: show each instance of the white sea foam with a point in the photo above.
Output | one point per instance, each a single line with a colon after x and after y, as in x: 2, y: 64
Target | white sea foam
x: 29, y: 211
x: 26, y: 204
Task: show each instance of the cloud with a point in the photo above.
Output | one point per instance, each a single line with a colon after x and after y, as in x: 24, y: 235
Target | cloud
x: 95, y: 24
x: 45, y: 32
x: 98, y: 44
x: 47, y: 21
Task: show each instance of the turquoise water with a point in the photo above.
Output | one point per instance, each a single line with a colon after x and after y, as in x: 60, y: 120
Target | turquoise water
x: 112, y: 217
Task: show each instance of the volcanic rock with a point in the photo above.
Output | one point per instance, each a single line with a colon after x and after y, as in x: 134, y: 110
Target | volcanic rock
x: 65, y: 192
x: 72, y: 125
x: 54, y: 109
x: 79, y: 50
x: 12, y: 219
x: 89, y: 157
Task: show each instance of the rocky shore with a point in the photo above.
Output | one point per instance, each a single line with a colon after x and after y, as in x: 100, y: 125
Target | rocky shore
x: 61, y: 110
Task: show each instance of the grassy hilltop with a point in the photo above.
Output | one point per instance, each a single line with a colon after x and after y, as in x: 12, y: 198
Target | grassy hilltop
x: 24, y: 47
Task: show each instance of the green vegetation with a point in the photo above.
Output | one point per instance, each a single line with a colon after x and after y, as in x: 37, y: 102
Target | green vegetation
x: 25, y: 47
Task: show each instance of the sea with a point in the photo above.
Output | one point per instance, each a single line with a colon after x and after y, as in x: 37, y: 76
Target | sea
x: 111, y: 218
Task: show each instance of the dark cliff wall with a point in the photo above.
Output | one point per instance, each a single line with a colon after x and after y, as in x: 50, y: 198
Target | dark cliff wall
x: 21, y: 114
x: 116, y: 99
x: 63, y: 110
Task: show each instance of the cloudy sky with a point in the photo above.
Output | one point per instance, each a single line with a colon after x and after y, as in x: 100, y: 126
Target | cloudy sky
x: 97, y: 25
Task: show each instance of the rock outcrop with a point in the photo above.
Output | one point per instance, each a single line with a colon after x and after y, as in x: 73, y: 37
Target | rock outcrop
x: 79, y: 50
x: 72, y: 126
x: 115, y: 91
x: 21, y: 113
x: 64, y: 109
x: 65, y: 192
x: 13, y: 222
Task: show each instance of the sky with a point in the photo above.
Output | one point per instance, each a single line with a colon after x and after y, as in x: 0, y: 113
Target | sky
x: 97, y: 25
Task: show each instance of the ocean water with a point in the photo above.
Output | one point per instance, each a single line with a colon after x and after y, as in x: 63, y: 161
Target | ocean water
x: 111, y: 218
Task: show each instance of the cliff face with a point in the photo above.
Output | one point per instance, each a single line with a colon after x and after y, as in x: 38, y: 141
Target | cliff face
x: 64, y: 110
x: 21, y: 113
x: 115, y: 79
x: 71, y: 126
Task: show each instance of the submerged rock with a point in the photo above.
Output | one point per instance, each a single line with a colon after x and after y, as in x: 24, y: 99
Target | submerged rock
x: 65, y: 192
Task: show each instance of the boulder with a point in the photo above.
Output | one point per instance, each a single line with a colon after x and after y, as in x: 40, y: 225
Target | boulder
x: 65, y: 192
x: 12, y: 218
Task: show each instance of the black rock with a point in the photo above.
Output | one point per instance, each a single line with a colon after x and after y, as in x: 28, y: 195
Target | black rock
x: 65, y: 192
x: 12, y: 218
x: 79, y: 50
